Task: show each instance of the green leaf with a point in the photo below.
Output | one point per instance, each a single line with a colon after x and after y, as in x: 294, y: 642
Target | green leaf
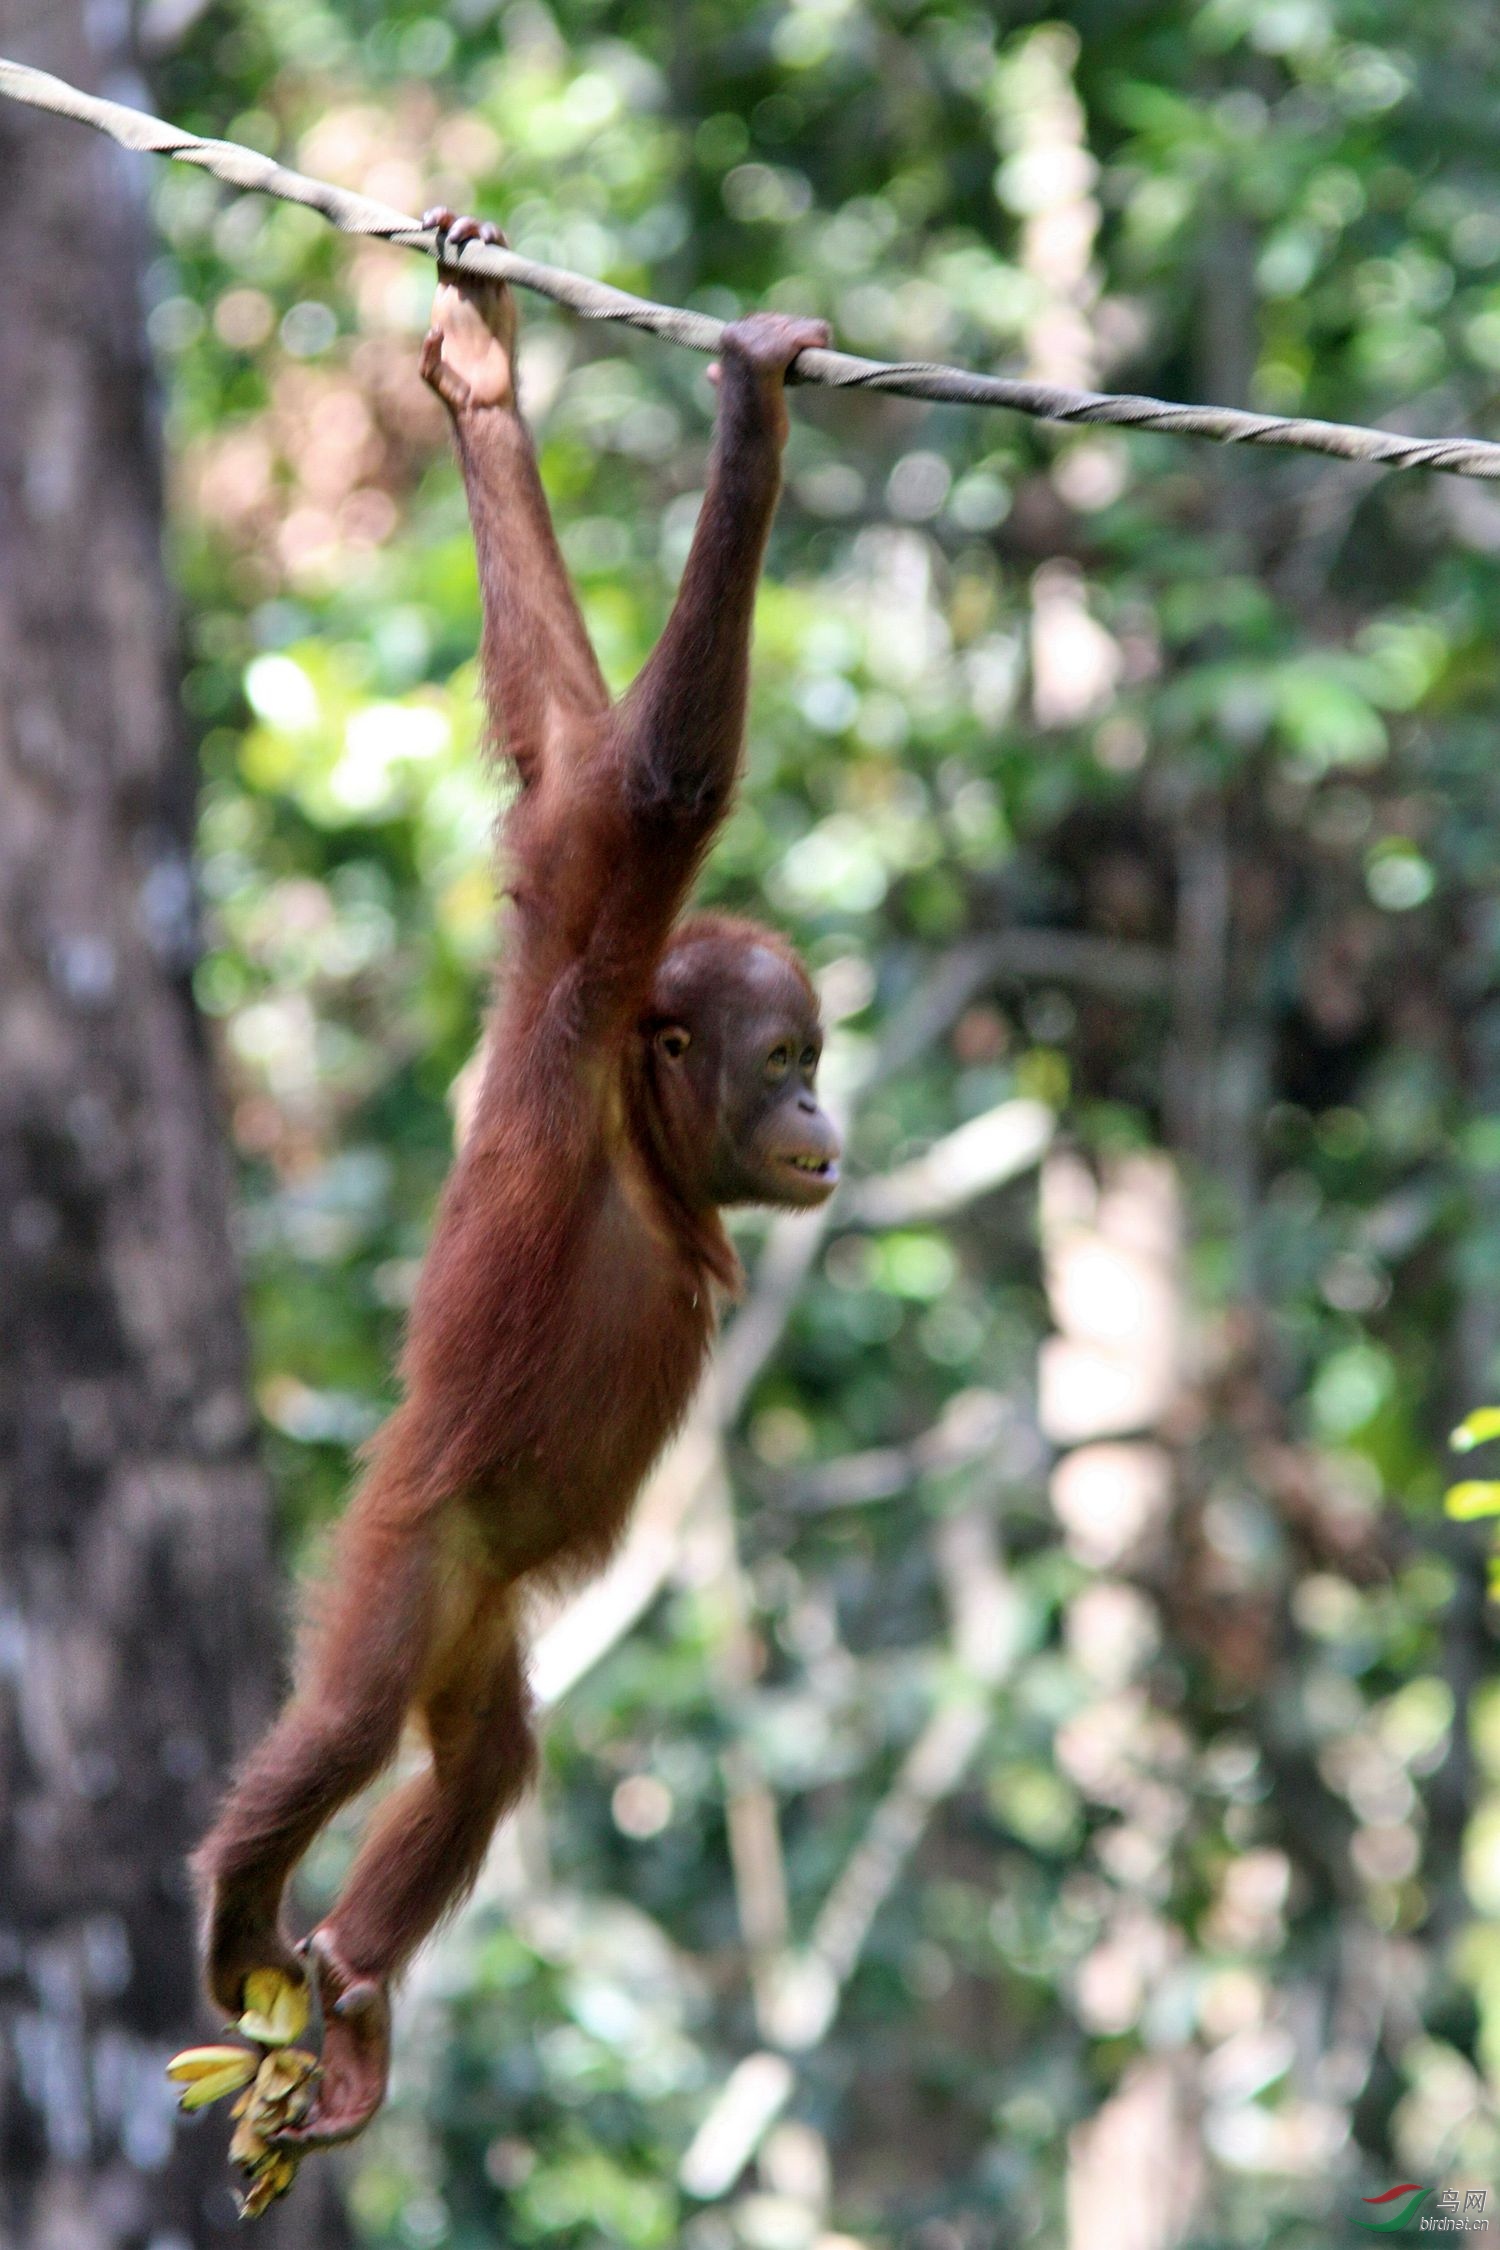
x: 1476, y: 1429
x: 1466, y: 1502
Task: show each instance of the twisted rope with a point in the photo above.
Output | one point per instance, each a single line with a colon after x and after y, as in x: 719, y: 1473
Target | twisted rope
x: 596, y: 300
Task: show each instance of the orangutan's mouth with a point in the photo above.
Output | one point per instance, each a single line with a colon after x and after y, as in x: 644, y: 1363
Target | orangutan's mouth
x: 813, y: 1167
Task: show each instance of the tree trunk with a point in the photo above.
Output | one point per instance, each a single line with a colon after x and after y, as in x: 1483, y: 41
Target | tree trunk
x: 137, y: 1621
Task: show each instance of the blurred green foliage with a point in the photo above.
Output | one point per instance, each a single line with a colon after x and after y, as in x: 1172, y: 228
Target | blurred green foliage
x: 1263, y: 1849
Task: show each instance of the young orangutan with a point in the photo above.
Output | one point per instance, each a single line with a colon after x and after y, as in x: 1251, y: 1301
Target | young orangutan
x: 642, y: 1072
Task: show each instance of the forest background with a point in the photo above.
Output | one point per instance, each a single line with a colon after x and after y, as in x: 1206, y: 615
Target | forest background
x: 1035, y: 1774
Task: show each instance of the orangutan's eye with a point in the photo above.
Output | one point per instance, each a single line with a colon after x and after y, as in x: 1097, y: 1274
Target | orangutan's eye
x: 810, y: 1059
x: 779, y: 1061
x: 674, y: 1041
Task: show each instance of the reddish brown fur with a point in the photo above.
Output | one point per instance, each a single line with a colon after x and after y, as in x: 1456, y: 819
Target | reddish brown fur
x: 566, y: 1303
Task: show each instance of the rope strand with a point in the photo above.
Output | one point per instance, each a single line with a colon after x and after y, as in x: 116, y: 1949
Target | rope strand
x: 595, y: 300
